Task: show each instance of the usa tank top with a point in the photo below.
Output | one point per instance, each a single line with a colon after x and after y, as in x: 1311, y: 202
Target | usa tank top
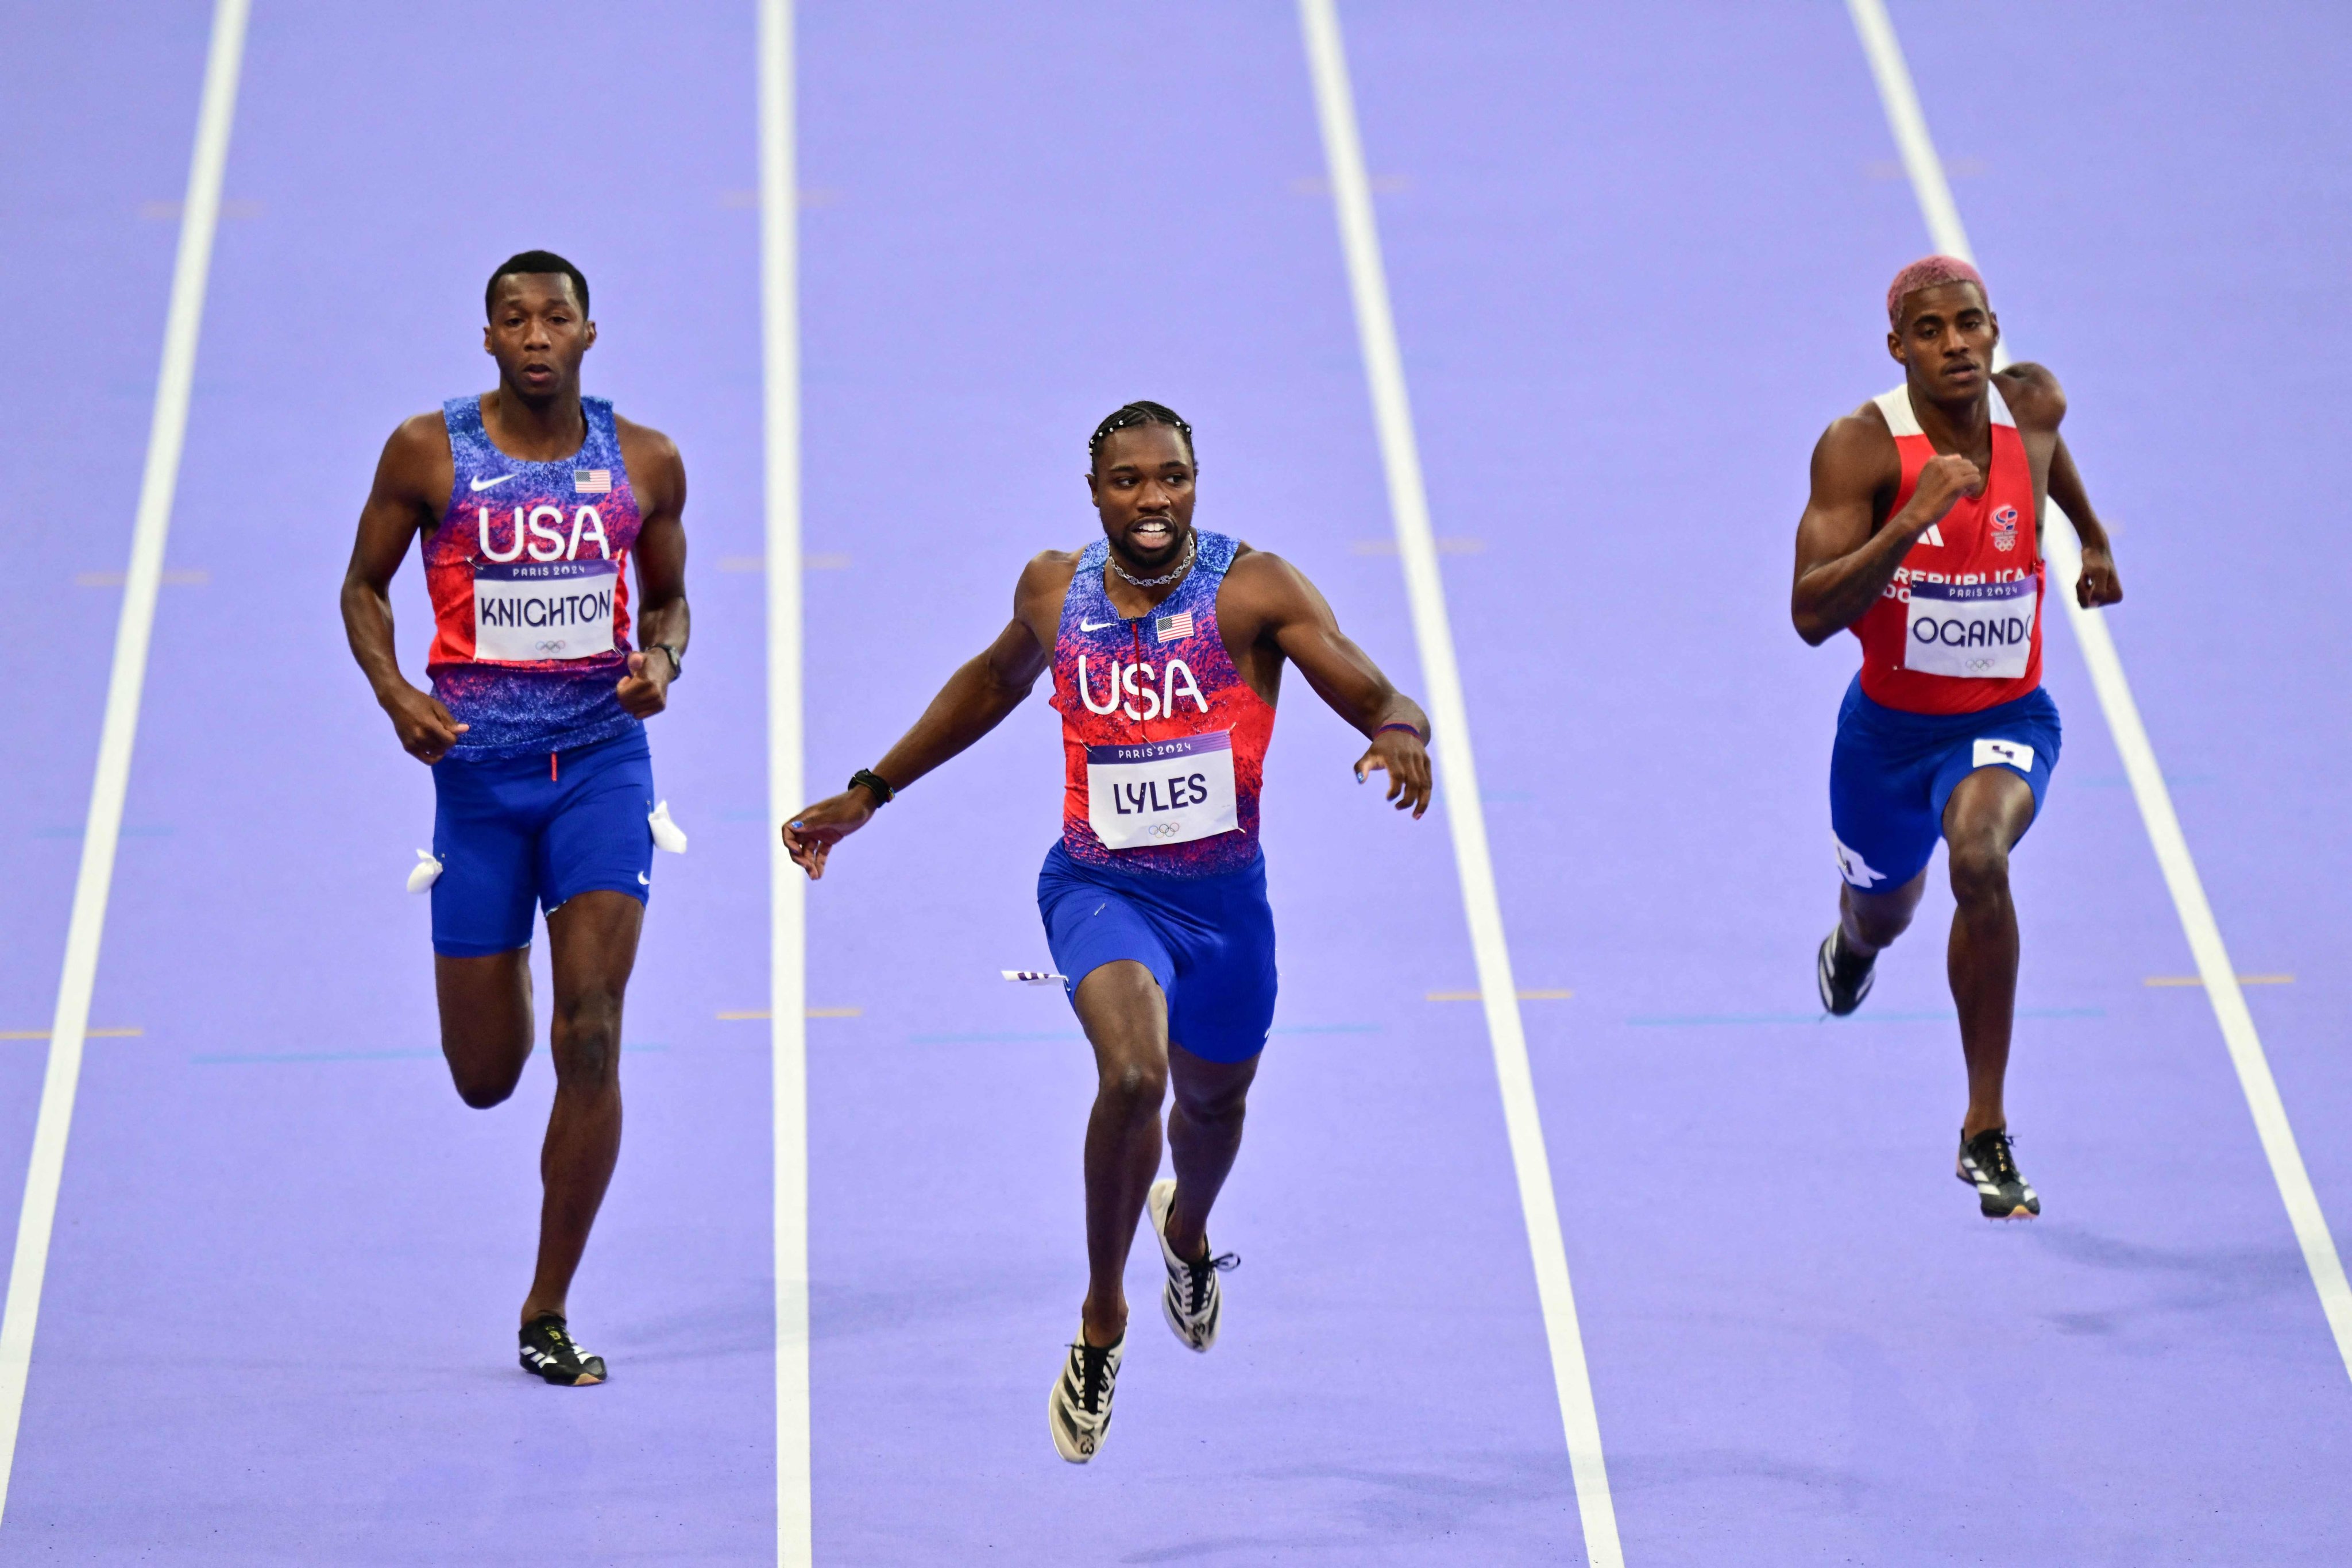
x: 1163, y: 742
x: 1959, y: 628
x: 529, y: 573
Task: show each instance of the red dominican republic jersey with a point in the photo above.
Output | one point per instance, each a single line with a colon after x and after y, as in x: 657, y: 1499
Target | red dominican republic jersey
x: 1165, y: 741
x: 1959, y: 628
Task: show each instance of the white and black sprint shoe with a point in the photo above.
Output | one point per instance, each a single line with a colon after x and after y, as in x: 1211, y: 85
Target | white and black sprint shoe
x: 550, y: 1351
x: 1078, y: 1409
x: 1191, y: 1300
x: 1844, y: 980
x: 1986, y: 1164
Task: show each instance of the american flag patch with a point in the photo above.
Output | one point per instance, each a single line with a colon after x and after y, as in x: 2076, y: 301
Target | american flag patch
x: 591, y: 481
x: 1171, y: 628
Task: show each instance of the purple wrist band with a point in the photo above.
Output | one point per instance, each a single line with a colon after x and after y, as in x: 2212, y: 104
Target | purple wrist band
x: 1413, y: 730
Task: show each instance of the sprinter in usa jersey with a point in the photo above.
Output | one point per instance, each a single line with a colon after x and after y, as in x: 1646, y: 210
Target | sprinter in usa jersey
x: 1166, y: 647
x: 555, y: 558
x: 1923, y: 537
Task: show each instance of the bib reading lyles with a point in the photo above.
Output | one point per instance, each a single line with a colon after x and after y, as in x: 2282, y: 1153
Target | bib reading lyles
x: 540, y: 610
x: 1162, y: 792
x: 1978, y: 630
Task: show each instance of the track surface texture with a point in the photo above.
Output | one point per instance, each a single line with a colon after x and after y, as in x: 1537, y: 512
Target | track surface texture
x: 1636, y: 256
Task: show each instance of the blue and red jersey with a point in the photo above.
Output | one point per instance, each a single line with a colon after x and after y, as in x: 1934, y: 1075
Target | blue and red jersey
x: 528, y: 572
x: 1164, y: 743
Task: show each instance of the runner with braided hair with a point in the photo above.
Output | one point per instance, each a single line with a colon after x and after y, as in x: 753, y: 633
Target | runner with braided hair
x: 1167, y: 648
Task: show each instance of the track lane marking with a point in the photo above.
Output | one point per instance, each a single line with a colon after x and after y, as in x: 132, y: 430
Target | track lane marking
x: 2214, y: 970
x: 166, y: 437
x: 1449, y: 718
x: 787, y: 908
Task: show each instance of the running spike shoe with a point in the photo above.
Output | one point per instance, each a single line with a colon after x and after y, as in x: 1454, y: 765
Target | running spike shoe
x: 1988, y: 1165
x: 1191, y: 1300
x: 1078, y: 1409
x: 1844, y: 980
x: 550, y: 1351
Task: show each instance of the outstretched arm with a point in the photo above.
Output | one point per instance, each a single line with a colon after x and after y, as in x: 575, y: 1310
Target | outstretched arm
x: 1294, y: 617
x: 974, y: 701
x: 397, y: 506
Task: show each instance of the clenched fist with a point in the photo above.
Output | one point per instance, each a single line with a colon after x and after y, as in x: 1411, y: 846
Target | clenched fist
x: 1942, y: 483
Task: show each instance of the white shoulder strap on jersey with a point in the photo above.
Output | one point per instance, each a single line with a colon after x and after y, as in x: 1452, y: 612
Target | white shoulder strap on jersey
x: 2000, y: 415
x: 1897, y: 406
x: 1901, y: 421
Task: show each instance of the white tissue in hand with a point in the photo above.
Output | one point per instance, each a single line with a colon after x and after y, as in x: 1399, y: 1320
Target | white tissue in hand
x: 667, y: 835
x: 1035, y: 977
x: 424, y: 873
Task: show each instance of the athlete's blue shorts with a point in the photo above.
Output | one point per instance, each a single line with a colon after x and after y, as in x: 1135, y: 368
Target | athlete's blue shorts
x: 1209, y: 941
x: 509, y: 837
x: 1891, y: 773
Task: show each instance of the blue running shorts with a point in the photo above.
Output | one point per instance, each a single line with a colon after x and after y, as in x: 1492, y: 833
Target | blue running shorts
x: 1891, y: 773
x: 1209, y: 941
x: 509, y: 837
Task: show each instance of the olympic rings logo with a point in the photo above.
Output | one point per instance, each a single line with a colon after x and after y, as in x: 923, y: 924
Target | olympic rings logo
x: 1165, y: 829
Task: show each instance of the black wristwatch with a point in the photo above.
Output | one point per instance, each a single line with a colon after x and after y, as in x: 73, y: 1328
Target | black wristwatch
x: 676, y: 665
x: 874, y: 784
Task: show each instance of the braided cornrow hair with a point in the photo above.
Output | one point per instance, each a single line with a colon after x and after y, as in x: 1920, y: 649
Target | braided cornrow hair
x: 1133, y: 414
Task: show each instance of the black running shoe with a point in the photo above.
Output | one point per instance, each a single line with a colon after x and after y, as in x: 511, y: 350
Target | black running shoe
x: 1078, y: 1409
x: 1986, y: 1164
x: 1844, y: 980
x: 550, y: 1351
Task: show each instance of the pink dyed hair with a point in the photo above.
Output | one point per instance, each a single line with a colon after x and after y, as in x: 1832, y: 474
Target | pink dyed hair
x: 1926, y: 273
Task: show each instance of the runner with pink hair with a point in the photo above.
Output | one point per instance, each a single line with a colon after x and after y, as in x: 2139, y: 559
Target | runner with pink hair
x: 1923, y: 538
x: 1927, y: 272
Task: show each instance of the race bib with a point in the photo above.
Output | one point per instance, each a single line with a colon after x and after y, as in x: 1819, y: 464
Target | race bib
x: 1162, y: 792
x: 531, y: 610
x: 1976, y: 630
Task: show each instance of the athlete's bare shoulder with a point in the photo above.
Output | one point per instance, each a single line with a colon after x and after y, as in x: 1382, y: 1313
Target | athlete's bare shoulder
x: 1045, y: 584
x: 656, y: 471
x: 1263, y: 592
x: 1857, y: 451
x: 2034, y: 397
x: 416, y: 468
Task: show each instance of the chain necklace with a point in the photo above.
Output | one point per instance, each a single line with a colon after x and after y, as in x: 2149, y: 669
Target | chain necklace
x: 1182, y: 567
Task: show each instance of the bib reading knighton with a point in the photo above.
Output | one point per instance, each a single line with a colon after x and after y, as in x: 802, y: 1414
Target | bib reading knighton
x: 528, y: 611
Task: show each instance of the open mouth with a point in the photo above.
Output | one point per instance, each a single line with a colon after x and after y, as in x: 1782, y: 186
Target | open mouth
x: 1151, y: 535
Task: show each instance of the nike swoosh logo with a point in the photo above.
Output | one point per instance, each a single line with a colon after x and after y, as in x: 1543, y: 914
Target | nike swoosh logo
x: 643, y: 880
x: 1086, y: 626
x: 486, y: 484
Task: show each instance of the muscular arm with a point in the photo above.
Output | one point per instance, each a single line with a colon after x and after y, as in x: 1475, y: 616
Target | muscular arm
x: 1842, y: 566
x: 975, y: 699
x: 2098, y: 585
x: 1288, y: 613
x: 2036, y: 399
x: 403, y: 501
x: 658, y: 475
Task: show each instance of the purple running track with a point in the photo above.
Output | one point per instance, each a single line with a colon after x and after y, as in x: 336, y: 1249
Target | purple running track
x: 1635, y: 259
x: 1628, y: 313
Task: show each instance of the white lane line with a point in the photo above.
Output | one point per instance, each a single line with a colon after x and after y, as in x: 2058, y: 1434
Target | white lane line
x: 787, y: 914
x: 200, y: 216
x: 1449, y: 718
x: 2213, y: 965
